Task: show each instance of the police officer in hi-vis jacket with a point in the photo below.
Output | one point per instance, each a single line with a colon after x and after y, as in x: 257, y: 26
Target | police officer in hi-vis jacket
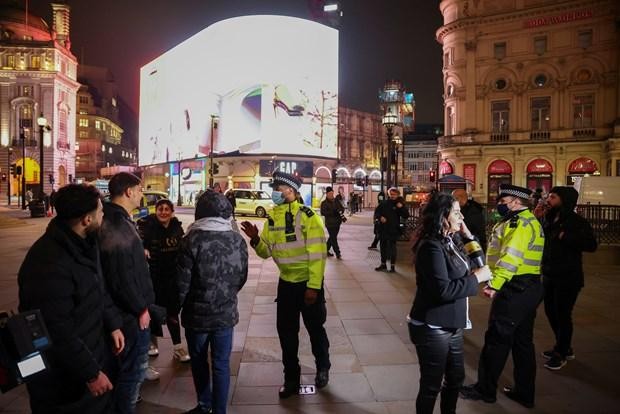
x: 294, y: 237
x: 514, y: 256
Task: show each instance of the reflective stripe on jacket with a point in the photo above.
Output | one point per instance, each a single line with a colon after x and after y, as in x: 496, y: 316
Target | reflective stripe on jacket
x: 303, y: 256
x: 516, y: 248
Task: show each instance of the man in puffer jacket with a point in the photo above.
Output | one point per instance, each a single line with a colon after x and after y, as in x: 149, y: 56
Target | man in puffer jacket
x: 212, y: 269
x: 567, y: 235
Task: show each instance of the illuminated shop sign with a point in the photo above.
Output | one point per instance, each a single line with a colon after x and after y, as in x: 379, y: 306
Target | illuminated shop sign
x: 303, y: 168
x: 560, y: 18
x: 252, y: 84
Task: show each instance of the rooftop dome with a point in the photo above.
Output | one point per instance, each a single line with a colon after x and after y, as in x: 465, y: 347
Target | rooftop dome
x: 12, y: 12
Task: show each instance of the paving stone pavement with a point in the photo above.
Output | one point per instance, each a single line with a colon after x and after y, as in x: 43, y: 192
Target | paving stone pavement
x: 374, y: 364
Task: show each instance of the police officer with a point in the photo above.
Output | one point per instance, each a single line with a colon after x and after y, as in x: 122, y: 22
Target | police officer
x: 293, y: 236
x: 514, y: 256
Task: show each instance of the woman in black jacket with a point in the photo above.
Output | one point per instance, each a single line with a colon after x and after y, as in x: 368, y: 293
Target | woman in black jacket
x: 440, y: 308
x: 161, y: 233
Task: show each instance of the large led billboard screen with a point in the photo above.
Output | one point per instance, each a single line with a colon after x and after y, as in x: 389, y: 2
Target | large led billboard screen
x: 253, y: 84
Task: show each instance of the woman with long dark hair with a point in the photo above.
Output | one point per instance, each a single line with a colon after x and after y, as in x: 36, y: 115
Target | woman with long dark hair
x: 440, y: 308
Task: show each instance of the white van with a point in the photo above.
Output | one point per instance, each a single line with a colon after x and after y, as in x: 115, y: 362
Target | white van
x: 598, y: 190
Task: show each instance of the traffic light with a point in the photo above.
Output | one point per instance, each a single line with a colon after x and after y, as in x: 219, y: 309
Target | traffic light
x: 3, y: 176
x: 431, y: 175
x: 12, y: 170
x: 18, y: 170
x: 216, y: 169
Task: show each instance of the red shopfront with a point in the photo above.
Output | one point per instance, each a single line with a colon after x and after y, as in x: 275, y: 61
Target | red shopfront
x: 540, y: 175
x: 579, y: 168
x: 499, y: 172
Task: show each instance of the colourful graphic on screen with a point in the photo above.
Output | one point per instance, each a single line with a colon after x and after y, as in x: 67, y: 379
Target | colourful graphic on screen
x: 253, y: 84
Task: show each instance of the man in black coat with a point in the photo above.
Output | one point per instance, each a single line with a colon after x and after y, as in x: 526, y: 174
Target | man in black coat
x: 61, y: 276
x: 388, y: 214
x: 333, y: 212
x: 567, y: 236
x: 474, y: 216
x: 126, y: 272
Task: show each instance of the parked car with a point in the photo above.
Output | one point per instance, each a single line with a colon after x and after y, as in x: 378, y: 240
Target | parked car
x: 252, y: 201
x: 147, y: 204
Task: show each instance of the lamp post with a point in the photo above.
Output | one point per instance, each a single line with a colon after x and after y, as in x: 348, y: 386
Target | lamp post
x: 9, y: 153
x: 397, y: 142
x: 213, y: 128
x: 22, y: 136
x: 179, y: 197
x: 389, y: 121
x: 42, y: 122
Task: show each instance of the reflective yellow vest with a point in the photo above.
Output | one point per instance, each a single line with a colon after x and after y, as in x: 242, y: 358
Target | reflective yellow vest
x: 516, y: 248
x: 299, y: 251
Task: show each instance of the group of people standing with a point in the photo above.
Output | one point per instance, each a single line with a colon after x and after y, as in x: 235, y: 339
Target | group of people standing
x: 526, y: 251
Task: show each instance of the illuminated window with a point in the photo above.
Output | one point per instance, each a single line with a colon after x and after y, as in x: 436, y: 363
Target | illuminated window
x: 62, y: 127
x: 97, y: 124
x: 499, y: 50
x: 10, y: 61
x: 25, y: 116
x: 103, y: 126
x: 84, y: 100
x: 84, y: 122
x: 541, y: 108
x: 500, y: 113
x: 540, y: 45
x: 35, y: 61
x: 24, y: 90
x: 103, y: 148
x: 83, y: 134
x: 584, y: 38
x: 583, y: 110
x: 110, y: 150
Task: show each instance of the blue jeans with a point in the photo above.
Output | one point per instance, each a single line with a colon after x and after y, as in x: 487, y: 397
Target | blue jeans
x: 133, y: 362
x: 213, y: 396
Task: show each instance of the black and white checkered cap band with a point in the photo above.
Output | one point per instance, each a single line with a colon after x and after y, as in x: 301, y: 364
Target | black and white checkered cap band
x: 514, y: 193
x: 287, y: 181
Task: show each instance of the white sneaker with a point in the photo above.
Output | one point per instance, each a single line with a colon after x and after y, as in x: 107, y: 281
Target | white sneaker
x: 151, y: 374
x: 181, y: 354
x: 153, y: 351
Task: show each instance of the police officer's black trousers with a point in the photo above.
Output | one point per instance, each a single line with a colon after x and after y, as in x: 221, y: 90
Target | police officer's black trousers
x: 511, y: 326
x: 290, y: 303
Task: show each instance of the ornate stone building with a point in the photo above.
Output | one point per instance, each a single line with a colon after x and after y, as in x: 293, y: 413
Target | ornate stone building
x: 531, y: 91
x: 38, y: 76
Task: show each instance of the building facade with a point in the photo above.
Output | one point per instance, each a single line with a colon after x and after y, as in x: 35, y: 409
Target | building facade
x: 531, y: 91
x: 100, y: 141
x: 419, y: 158
x: 38, y: 77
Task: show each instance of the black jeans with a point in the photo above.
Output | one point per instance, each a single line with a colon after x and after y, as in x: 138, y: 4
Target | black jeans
x: 388, y: 250
x: 290, y: 304
x: 440, y: 354
x: 559, y: 303
x: 332, y: 241
x: 511, y: 327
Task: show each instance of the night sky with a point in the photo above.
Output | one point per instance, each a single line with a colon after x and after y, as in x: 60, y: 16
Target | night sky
x: 379, y: 40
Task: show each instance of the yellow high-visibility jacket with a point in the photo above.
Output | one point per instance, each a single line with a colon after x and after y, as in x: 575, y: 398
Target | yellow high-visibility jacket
x: 301, y: 253
x: 516, y: 248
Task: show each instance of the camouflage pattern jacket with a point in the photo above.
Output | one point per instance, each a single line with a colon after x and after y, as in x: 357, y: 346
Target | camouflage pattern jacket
x: 212, y: 268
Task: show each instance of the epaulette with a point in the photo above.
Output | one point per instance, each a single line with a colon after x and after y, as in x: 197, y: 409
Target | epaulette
x: 307, y: 210
x: 514, y: 222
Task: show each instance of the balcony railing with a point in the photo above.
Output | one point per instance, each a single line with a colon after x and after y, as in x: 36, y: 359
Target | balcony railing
x: 540, y: 135
x: 584, y: 132
x: 500, y: 137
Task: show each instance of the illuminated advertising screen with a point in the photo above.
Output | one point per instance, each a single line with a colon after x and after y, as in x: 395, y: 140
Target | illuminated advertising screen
x: 252, y: 84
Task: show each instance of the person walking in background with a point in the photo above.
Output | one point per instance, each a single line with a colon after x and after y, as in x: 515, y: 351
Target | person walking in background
x: 126, y: 272
x: 375, y: 221
x: 161, y: 234
x: 294, y: 237
x: 567, y: 236
x: 53, y: 200
x: 212, y: 269
x: 389, y: 214
x: 514, y: 256
x: 474, y: 216
x: 230, y: 196
x: 61, y: 276
x: 440, y: 308
x: 333, y: 212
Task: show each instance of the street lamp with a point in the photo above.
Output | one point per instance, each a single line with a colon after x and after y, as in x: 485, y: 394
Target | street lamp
x: 214, y: 119
x: 42, y: 123
x: 389, y: 121
x: 22, y: 136
x: 397, y: 142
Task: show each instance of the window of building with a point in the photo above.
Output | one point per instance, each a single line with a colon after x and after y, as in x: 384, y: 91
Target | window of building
x: 540, y: 113
x: 77, y: 146
x: 540, y: 45
x: 361, y: 148
x: 110, y: 150
x: 62, y: 126
x: 584, y: 38
x: 35, y: 61
x: 583, y: 110
x: 500, y: 114
x: 83, y: 134
x: 500, y: 84
x: 25, y: 116
x: 450, y: 121
x: 540, y: 80
x: 24, y: 90
x: 84, y: 99
x: 103, y: 148
x: 10, y: 61
x: 83, y: 112
x: 84, y: 122
x: 97, y: 124
x: 499, y: 50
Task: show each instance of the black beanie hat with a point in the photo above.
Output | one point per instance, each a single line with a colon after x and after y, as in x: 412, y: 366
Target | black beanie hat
x: 568, y: 195
x: 212, y: 204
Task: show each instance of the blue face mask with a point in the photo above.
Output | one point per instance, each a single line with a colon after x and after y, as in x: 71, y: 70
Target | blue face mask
x: 277, y: 197
x: 503, y: 210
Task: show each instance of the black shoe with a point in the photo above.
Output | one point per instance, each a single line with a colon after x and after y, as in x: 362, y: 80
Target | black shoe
x: 381, y: 268
x: 330, y: 254
x: 556, y: 362
x: 139, y: 399
x: 470, y: 392
x: 322, y: 378
x: 288, y: 389
x: 508, y: 392
x: 338, y: 257
x: 198, y: 410
x: 549, y: 354
x: 392, y: 270
x: 372, y: 247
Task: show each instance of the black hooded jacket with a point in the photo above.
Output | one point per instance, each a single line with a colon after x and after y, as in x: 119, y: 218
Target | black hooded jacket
x: 567, y: 236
